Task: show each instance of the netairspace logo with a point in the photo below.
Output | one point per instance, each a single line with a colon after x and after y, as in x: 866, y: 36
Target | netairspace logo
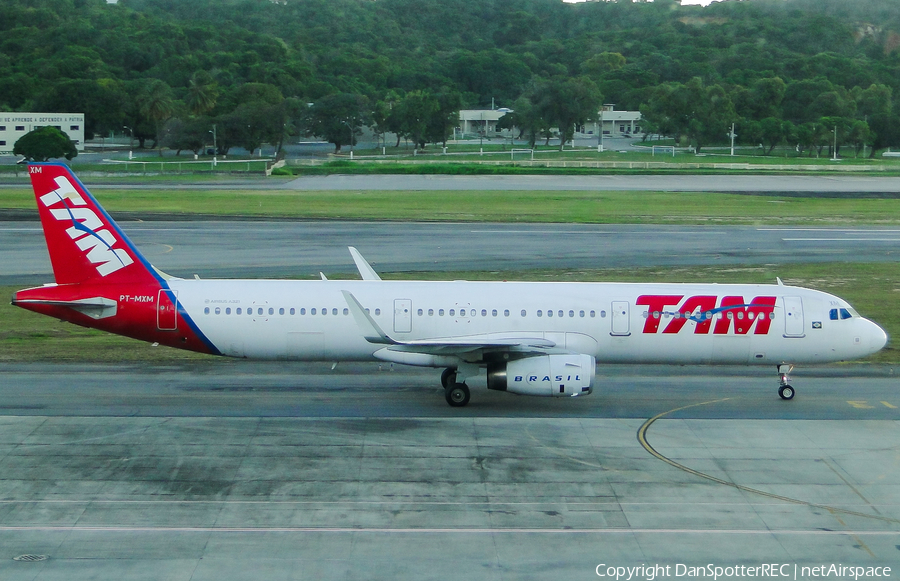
x: 714, y: 572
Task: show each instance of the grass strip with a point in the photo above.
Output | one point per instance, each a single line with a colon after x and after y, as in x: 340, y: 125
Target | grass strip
x: 609, y: 207
x: 873, y: 288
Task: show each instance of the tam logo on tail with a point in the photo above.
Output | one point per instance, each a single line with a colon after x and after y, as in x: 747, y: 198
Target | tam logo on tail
x: 87, y: 230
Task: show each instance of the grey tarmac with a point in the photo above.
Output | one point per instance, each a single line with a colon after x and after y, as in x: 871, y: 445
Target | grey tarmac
x: 828, y: 185
x: 240, y: 470
x: 303, y: 249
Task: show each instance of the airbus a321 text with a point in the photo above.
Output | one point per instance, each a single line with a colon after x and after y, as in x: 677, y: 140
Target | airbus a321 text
x: 531, y: 338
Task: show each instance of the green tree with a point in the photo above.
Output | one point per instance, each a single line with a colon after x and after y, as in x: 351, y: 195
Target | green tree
x: 338, y: 118
x: 859, y: 136
x: 445, y: 118
x: 190, y: 134
x: 602, y: 63
x: 45, y: 143
x: 565, y: 102
x: 526, y: 117
x: 203, y: 93
x: 875, y: 105
x: 102, y: 102
x: 157, y: 104
x: 773, y: 132
x: 703, y: 113
x: 416, y: 110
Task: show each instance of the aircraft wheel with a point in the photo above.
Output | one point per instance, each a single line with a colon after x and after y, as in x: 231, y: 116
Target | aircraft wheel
x: 448, y: 377
x: 457, y: 395
x: 786, y: 392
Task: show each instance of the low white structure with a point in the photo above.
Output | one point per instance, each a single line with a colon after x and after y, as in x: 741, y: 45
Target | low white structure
x: 615, y: 123
x: 15, y: 125
x: 483, y: 122
x: 480, y: 121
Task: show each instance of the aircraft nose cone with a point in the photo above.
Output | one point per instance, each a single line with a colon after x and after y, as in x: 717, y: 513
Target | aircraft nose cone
x: 877, y: 338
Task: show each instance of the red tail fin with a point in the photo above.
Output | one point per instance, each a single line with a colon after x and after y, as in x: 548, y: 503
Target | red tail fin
x: 85, y: 244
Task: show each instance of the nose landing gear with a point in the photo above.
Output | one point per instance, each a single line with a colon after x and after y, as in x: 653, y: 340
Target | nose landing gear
x: 785, y: 391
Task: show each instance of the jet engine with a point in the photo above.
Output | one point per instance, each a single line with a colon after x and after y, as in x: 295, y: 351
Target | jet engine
x: 546, y: 375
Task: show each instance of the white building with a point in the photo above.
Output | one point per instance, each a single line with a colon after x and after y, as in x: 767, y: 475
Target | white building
x: 15, y: 125
x: 475, y: 122
x: 480, y: 121
x: 615, y: 123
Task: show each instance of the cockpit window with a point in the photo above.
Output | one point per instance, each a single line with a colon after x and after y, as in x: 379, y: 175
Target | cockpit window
x: 835, y: 314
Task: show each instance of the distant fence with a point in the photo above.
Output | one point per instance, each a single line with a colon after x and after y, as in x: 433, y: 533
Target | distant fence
x: 261, y: 166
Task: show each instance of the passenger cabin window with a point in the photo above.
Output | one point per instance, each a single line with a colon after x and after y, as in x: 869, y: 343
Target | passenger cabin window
x: 206, y: 311
x: 237, y: 311
x: 259, y: 311
x: 228, y: 311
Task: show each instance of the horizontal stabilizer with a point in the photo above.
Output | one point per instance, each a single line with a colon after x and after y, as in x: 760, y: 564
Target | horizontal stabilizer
x: 95, y: 307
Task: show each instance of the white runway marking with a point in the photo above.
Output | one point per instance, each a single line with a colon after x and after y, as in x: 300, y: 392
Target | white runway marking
x: 841, y: 239
x: 385, y: 530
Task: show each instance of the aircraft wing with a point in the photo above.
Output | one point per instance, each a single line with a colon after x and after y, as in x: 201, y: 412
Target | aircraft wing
x: 444, y: 345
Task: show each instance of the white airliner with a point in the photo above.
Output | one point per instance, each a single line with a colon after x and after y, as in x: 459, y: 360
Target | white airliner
x: 531, y: 338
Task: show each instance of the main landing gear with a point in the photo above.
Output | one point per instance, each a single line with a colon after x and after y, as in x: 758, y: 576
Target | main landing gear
x: 456, y: 394
x: 785, y: 391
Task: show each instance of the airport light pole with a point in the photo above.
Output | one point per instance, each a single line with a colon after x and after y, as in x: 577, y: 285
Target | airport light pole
x: 834, y: 156
x: 350, y: 127
x: 215, y: 145
x: 600, y: 144
x: 130, y: 140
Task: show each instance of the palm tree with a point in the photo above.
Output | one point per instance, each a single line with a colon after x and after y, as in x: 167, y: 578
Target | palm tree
x: 202, y: 93
x: 157, y: 104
